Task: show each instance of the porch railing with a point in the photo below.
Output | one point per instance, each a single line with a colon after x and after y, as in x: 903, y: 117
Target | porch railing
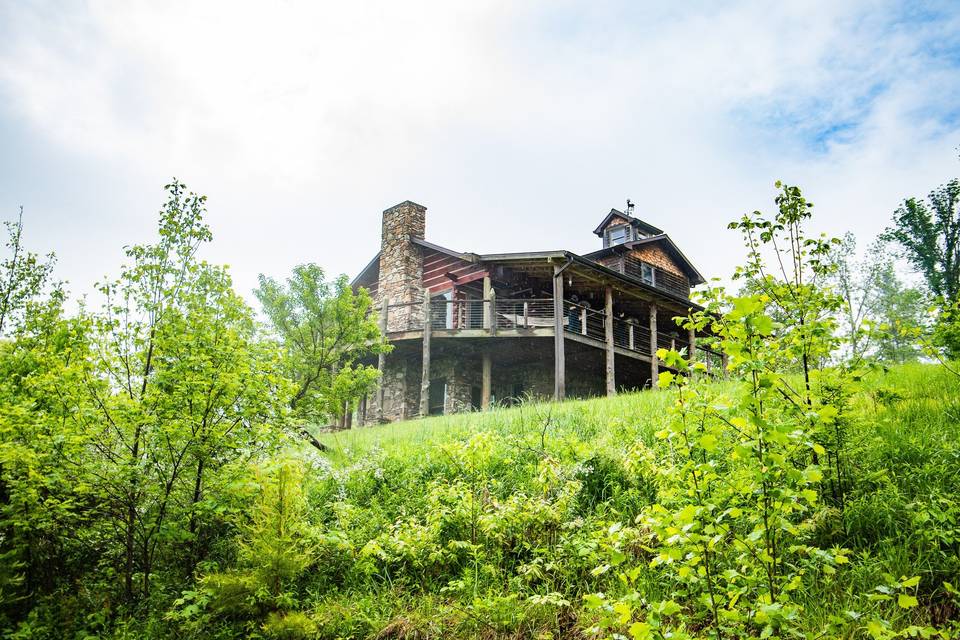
x: 584, y: 320
x: 631, y: 336
x: 524, y: 314
x: 536, y: 313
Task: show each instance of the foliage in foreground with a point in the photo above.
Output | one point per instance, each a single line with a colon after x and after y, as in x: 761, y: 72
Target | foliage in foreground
x: 149, y: 486
x: 550, y: 521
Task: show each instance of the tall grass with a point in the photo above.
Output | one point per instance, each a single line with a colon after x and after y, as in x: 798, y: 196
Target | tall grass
x: 498, y: 524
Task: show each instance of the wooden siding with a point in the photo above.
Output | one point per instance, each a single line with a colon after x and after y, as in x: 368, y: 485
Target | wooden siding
x: 437, y: 267
x: 371, y: 284
x: 613, y: 221
x: 655, y: 255
x: 611, y: 262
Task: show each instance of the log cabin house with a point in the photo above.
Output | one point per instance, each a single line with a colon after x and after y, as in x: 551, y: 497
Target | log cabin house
x: 472, y: 330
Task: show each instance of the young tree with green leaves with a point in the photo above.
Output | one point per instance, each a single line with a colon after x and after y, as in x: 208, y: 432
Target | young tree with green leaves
x: 739, y: 474
x: 327, y: 330
x: 42, y: 348
x: 880, y: 313
x: 928, y: 234
x: 23, y: 275
x: 45, y: 500
x: 898, y: 312
x: 181, y: 387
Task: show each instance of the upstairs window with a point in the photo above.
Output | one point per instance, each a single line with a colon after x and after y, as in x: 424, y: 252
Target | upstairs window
x: 648, y: 274
x: 618, y: 234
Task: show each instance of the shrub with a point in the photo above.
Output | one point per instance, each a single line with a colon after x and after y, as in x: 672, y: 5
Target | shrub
x: 289, y: 626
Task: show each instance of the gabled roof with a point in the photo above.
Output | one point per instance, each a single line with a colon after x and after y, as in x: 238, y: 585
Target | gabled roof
x: 662, y: 239
x: 469, y: 257
x: 636, y: 222
x: 374, y: 264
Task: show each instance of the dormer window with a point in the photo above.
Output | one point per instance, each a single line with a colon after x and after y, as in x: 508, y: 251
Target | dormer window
x: 618, y: 234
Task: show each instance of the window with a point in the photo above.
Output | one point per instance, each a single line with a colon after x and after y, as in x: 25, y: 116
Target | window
x: 438, y: 396
x: 618, y: 234
x: 647, y: 274
x: 441, y: 311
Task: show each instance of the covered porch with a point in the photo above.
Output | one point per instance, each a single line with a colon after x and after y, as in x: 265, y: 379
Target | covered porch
x: 593, y: 321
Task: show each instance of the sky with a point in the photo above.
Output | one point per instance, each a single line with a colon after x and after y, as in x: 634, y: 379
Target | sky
x: 517, y: 124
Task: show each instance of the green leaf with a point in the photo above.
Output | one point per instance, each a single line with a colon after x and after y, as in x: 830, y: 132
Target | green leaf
x: 594, y: 600
x: 667, y: 608
x: 906, y: 601
x: 640, y: 631
x: 709, y: 442
x: 665, y: 379
x: 763, y: 325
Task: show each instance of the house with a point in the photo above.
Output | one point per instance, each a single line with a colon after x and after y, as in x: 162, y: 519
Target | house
x: 471, y: 330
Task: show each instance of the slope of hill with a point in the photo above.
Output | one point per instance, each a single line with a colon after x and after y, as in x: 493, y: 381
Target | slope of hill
x: 506, y: 524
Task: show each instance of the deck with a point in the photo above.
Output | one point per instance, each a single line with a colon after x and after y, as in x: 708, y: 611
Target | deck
x: 438, y: 320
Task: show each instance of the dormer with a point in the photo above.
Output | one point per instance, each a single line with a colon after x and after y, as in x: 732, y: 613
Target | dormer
x: 619, y: 227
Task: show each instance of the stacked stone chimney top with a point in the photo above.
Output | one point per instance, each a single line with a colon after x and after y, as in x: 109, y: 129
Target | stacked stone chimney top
x: 405, y: 220
x: 401, y: 261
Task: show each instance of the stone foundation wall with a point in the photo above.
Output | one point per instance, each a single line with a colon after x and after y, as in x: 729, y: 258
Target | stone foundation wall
x: 462, y: 373
x: 395, y: 390
x: 460, y: 377
x: 532, y: 380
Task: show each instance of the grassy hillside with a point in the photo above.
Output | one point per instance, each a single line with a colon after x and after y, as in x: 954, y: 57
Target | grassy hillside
x: 499, y: 524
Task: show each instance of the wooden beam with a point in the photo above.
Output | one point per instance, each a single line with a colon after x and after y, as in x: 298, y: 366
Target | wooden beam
x: 485, y: 381
x: 559, y: 364
x: 382, y: 358
x: 608, y: 327
x: 487, y: 310
x: 654, y: 360
x: 691, y: 345
x: 425, y: 371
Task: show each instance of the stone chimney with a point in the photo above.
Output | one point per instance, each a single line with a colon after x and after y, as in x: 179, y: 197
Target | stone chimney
x: 401, y: 262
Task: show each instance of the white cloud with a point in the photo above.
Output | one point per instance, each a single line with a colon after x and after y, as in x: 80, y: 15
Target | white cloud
x: 303, y: 120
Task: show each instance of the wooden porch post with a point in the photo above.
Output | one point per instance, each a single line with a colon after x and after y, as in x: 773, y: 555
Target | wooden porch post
x: 488, y: 310
x: 691, y: 345
x: 382, y: 358
x: 485, y: 381
x: 654, y: 360
x: 724, y: 362
x: 608, y: 327
x: 559, y: 381
x: 425, y: 372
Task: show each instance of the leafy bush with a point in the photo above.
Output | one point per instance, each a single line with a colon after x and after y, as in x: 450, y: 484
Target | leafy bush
x: 289, y: 626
